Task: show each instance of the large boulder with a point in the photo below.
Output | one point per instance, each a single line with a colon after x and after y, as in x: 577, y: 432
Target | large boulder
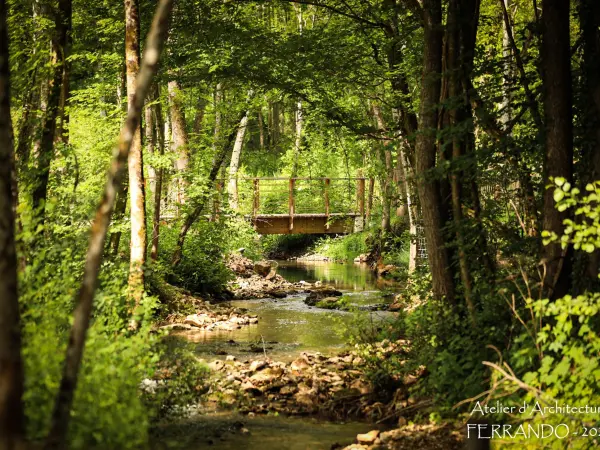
x: 262, y: 268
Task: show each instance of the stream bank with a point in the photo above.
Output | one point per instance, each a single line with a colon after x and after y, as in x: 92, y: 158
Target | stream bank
x: 292, y: 376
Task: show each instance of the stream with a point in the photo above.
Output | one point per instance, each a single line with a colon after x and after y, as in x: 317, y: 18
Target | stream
x: 286, y: 327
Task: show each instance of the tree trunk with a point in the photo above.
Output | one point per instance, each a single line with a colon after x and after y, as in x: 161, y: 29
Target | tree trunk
x: 120, y: 208
x: 558, y: 162
x: 65, y: 92
x: 590, y: 27
x: 85, y: 297
x: 218, y: 116
x: 386, y: 185
x: 199, y: 117
x: 46, y: 150
x: 137, y: 199
x: 299, y: 122
x: 505, y: 106
x: 11, y: 366
x: 232, y: 187
x: 261, y: 129
x: 201, y: 202
x: 425, y: 153
x: 179, y: 138
x: 150, y: 139
x: 160, y: 132
x: 455, y: 59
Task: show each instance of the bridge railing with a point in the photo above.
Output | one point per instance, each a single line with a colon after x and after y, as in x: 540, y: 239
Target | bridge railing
x: 292, y: 196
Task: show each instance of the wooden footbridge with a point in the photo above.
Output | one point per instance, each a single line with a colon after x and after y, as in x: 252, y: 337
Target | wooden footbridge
x: 295, y: 205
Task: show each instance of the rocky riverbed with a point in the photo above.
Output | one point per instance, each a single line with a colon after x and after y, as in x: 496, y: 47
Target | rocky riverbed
x: 334, y: 387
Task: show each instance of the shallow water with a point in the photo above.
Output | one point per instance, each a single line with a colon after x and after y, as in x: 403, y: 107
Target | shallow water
x: 288, y: 326
x: 223, y: 431
x: 285, y: 328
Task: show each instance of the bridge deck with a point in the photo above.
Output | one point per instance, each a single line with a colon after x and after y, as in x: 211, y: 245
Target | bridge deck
x: 304, y: 223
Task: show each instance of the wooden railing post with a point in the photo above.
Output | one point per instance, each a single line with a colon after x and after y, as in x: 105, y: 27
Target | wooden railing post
x: 256, y: 202
x: 291, y: 203
x: 361, y: 197
x: 327, y: 183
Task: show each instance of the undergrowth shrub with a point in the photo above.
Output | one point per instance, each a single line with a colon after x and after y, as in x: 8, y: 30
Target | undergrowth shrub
x: 556, y: 362
x: 107, y: 409
x: 342, y: 248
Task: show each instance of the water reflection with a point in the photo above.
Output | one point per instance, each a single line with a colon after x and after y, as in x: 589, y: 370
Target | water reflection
x: 288, y: 326
x: 356, y: 277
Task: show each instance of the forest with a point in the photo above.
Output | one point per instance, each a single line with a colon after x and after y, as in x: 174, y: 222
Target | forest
x: 311, y: 224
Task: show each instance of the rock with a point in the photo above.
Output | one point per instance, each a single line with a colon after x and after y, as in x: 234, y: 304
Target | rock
x: 362, y: 386
x: 367, y: 438
x: 299, y: 364
x: 266, y: 376
x: 250, y: 388
x: 271, y: 274
x: 288, y: 390
x: 230, y: 358
x: 178, y: 327
x: 389, y: 436
x: 319, y: 294
x: 277, y: 293
x: 384, y: 270
x: 197, y: 320
x: 216, y: 365
x: 362, y: 258
x: 395, y: 307
x: 245, y: 430
x: 257, y: 365
x: 306, y: 399
x: 262, y: 268
x: 253, y: 320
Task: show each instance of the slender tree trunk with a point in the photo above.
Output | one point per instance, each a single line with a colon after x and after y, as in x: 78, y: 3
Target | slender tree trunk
x: 85, y: 297
x: 234, y: 165
x: 137, y: 199
x: 27, y: 124
x: 160, y: 132
x: 180, y: 138
x: 11, y: 366
x: 556, y: 69
x: 261, y: 129
x: 200, y: 203
x: 425, y: 153
x: 199, y: 117
x: 120, y: 208
x: 299, y: 122
x: 275, y: 125
x: 370, y: 194
x: 505, y: 105
x: 218, y: 116
x: 386, y: 185
x: 46, y: 151
x: 65, y: 92
x: 150, y: 138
